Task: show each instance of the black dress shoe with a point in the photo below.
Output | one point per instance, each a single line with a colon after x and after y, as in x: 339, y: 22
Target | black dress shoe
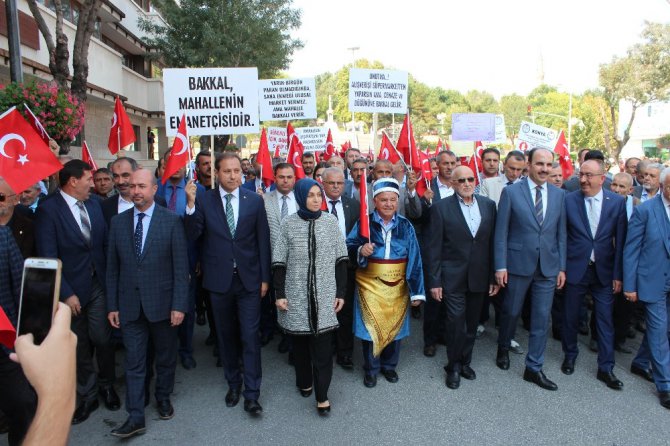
x: 323, y: 411
x: 540, y: 379
x: 110, y: 398
x: 622, y: 349
x: 252, y: 407
x: 390, y: 375
x: 232, y: 397
x: 284, y: 345
x: 429, y: 351
x: 370, y: 381
x: 502, y: 358
x: 345, y: 362
x: 568, y: 366
x: 453, y: 379
x: 188, y: 362
x: 165, y: 410
x: 200, y: 319
x: 129, y: 429
x: 84, y: 410
x: 609, y: 379
x: 664, y: 398
x: 639, y: 371
x: 468, y: 373
x: 305, y: 393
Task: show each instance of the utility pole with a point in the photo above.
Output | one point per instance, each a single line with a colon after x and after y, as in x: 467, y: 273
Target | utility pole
x: 15, y: 64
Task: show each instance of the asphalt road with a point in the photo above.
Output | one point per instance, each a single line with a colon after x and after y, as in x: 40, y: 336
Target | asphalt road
x: 497, y: 408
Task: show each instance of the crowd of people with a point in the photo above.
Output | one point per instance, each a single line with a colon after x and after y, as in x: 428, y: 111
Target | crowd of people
x: 144, y: 262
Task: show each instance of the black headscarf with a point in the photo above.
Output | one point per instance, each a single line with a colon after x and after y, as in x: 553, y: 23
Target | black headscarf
x: 301, y: 190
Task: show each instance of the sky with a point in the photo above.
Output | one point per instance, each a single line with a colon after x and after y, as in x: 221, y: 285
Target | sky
x: 491, y: 45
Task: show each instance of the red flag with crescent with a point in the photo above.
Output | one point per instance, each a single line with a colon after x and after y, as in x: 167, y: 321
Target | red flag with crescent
x: 180, y: 154
x: 561, y: 150
x: 423, y: 182
x: 439, y: 146
x: 330, y: 148
x: 407, y: 145
x: 387, y: 150
x: 295, y: 151
x: 264, y: 160
x: 121, y: 134
x: 87, y: 157
x: 475, y: 163
x: 25, y: 159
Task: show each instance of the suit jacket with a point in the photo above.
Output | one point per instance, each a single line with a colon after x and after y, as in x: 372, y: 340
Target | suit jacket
x: 457, y: 261
x: 520, y: 241
x: 493, y: 187
x: 110, y: 206
x: 58, y: 235
x: 23, y: 229
x: 607, y: 243
x: 352, y: 212
x: 273, y: 211
x: 251, y: 186
x: 249, y: 249
x: 11, y: 268
x: 348, y: 190
x: 646, y: 263
x: 158, y: 281
x: 637, y: 191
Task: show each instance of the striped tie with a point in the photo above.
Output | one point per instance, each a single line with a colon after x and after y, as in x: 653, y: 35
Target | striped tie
x: 85, y: 222
x: 139, y: 232
x: 538, y: 205
x: 284, y: 207
x: 230, y: 216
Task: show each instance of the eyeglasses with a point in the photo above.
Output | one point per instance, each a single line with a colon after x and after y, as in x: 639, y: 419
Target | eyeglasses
x: 468, y: 179
x: 334, y: 183
x: 4, y: 197
x: 590, y: 175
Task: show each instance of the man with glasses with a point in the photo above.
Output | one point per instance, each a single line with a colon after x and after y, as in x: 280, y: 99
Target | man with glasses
x: 596, y: 228
x: 650, y: 182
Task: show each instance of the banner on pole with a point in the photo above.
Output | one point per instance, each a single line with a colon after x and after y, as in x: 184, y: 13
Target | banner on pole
x: 473, y: 127
x: 378, y: 91
x: 287, y: 99
x: 216, y: 101
x: 313, y: 139
x: 533, y: 135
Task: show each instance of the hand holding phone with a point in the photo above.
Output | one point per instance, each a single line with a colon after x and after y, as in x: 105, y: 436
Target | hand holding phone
x: 40, y: 289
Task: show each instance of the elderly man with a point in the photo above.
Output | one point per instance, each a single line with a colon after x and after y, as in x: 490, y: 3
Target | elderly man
x: 102, y: 183
x: 389, y: 276
x: 572, y: 184
x: 650, y: 182
x: 460, y: 270
x: 596, y: 229
x: 409, y: 202
x: 30, y: 197
x: 347, y: 212
x: 21, y: 226
x: 647, y: 278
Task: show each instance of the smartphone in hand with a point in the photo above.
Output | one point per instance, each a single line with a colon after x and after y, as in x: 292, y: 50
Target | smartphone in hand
x: 40, y: 291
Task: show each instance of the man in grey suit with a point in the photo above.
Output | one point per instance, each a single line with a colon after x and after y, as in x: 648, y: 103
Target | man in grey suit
x: 147, y: 283
x: 530, y: 253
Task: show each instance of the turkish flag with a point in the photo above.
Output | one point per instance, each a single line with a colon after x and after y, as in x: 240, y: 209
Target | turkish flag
x: 475, y: 163
x: 406, y: 145
x: 295, y: 151
x: 561, y: 150
x: 121, y: 134
x: 37, y: 125
x: 264, y: 160
x: 364, y: 217
x: 330, y: 148
x: 424, y: 175
x: 180, y: 154
x: 25, y: 159
x: 387, y: 150
x: 439, y: 146
x: 87, y: 157
x: 317, y: 156
x: 7, y: 331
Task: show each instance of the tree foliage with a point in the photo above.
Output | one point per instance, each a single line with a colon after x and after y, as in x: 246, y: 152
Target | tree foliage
x: 230, y: 33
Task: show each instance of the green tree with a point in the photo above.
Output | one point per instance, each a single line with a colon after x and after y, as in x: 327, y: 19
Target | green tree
x: 514, y: 108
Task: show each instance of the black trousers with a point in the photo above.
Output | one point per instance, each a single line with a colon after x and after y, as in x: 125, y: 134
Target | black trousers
x: 463, y: 311
x: 623, y: 315
x: 313, y: 362
x: 18, y: 400
x: 93, y: 335
x: 345, y: 317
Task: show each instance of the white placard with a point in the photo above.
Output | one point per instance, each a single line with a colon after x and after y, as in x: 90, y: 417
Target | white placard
x: 287, y: 99
x: 501, y: 133
x: 216, y: 101
x: 378, y: 91
x: 312, y: 138
x: 533, y: 135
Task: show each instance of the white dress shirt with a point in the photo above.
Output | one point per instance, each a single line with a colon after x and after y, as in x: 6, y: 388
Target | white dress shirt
x: 235, y: 202
x: 74, y: 209
x: 123, y: 205
x: 340, y: 214
x: 666, y: 205
x: 445, y: 191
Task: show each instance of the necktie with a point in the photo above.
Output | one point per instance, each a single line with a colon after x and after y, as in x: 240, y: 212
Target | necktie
x: 593, y: 219
x: 230, y: 216
x: 538, y: 205
x: 334, y: 209
x: 509, y: 183
x: 85, y: 222
x: 139, y: 230
x: 172, y: 205
x: 284, y: 207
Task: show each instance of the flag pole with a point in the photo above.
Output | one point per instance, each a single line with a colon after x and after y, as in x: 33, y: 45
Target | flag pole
x: 409, y: 141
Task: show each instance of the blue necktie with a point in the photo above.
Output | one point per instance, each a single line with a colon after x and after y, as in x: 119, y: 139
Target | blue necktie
x: 138, y: 235
x: 539, y: 214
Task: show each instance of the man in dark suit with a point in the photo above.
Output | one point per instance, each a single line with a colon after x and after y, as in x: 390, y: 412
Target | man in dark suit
x: 71, y: 227
x: 596, y: 229
x: 646, y: 269
x: 530, y: 243
x: 460, y: 269
x: 347, y: 212
x: 18, y: 401
x: 22, y: 227
x: 573, y: 183
x: 236, y: 270
x: 147, y: 285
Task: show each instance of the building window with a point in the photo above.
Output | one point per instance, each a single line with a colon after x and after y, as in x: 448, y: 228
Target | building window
x: 136, y: 146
